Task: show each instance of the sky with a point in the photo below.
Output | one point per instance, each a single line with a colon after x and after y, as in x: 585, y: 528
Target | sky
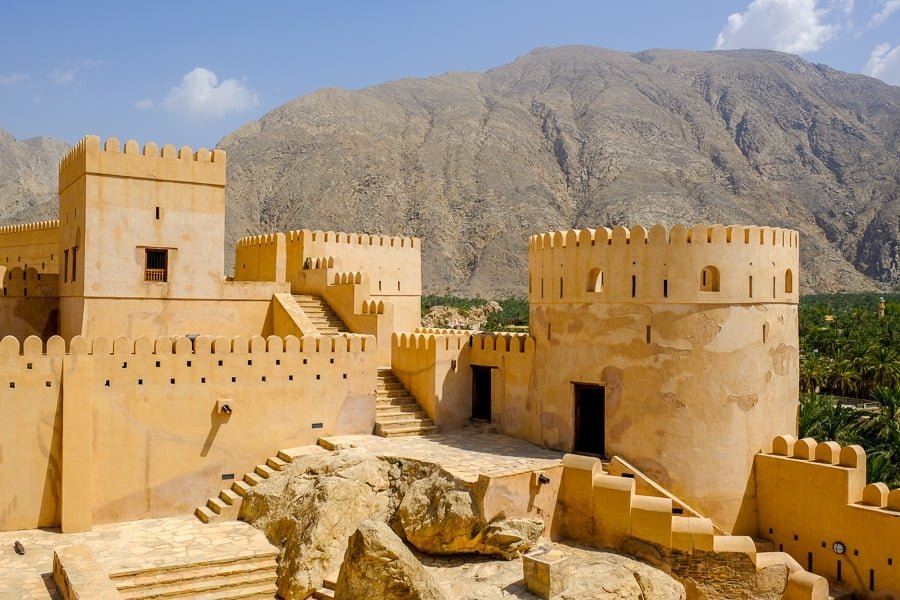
x: 188, y: 73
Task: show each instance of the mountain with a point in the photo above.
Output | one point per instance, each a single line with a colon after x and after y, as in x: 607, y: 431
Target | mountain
x: 28, y: 178
x: 582, y: 137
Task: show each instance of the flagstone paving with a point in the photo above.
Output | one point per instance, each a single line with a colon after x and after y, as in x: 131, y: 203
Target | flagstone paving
x: 159, y: 542
x: 145, y: 544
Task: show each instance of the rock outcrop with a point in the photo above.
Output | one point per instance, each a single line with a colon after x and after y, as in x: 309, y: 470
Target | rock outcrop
x: 378, y: 565
x: 440, y: 516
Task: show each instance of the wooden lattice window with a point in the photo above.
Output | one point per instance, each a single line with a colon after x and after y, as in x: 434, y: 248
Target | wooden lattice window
x: 156, y: 267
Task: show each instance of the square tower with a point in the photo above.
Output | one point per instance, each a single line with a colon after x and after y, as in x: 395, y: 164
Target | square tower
x: 136, y: 227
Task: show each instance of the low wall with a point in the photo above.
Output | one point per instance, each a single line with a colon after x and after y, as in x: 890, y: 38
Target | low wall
x: 813, y: 496
x: 603, y: 510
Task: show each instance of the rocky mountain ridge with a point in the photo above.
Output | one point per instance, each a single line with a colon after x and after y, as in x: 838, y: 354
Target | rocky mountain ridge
x: 572, y: 137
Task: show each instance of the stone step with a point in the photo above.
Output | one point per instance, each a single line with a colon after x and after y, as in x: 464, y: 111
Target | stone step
x: 204, y: 513
x: 395, y: 385
x: 264, y: 471
x: 394, y: 393
x: 240, y: 488
x: 229, y: 497
x: 323, y: 594
x: 253, y: 478
x: 401, y: 401
x: 292, y: 454
x: 421, y: 427
x: 276, y: 463
x: 393, y: 409
x: 330, y: 581
x: 398, y: 418
x: 194, y: 572
x: 223, y: 562
x: 211, y: 583
x: 250, y: 592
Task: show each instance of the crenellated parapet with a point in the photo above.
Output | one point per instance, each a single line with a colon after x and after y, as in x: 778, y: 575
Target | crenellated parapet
x: 30, y: 227
x: 89, y: 156
x: 815, y: 504
x: 703, y: 264
x: 308, y: 238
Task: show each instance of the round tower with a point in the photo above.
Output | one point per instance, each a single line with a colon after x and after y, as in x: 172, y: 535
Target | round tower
x: 674, y: 349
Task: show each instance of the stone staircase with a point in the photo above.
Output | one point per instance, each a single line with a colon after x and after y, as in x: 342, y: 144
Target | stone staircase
x: 226, y: 579
x: 227, y: 504
x: 320, y: 313
x: 396, y: 411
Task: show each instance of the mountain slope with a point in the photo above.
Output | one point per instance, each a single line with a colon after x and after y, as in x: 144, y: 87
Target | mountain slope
x: 28, y: 178
x: 572, y: 137
x: 578, y: 136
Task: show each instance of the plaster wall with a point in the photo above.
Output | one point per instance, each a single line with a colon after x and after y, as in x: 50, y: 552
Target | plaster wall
x: 435, y: 369
x: 29, y: 303
x: 812, y: 495
x: 159, y: 444
x: 30, y: 433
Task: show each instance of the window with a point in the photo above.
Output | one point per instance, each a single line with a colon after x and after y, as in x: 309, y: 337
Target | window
x: 595, y: 280
x: 156, y: 268
x: 74, y: 263
x: 709, y: 279
x: 65, y: 266
x: 788, y: 282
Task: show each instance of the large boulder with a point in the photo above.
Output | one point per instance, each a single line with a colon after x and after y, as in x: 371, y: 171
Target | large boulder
x: 439, y: 515
x: 378, y: 565
x: 312, y: 509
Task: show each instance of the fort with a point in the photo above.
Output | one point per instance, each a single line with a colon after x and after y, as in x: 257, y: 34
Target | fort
x: 137, y: 379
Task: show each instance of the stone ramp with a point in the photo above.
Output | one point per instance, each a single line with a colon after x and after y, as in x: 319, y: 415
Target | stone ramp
x: 171, y: 558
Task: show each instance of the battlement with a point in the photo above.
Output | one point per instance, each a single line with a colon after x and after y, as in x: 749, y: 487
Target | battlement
x: 153, y: 163
x: 29, y: 227
x: 657, y: 234
x: 813, y: 494
x: 713, y: 264
x: 307, y: 236
x: 427, y: 341
x: 502, y: 342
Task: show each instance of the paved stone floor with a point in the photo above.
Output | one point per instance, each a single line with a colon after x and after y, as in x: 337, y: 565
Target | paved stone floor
x: 137, y: 544
x: 465, y: 454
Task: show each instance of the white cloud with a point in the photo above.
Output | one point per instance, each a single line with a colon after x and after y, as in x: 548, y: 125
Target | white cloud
x: 795, y: 26
x: 201, y: 94
x: 12, y: 78
x: 884, y: 63
x: 887, y: 9
x: 68, y: 73
x: 144, y: 104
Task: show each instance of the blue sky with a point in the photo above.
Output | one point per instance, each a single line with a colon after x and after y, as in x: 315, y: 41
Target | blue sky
x: 190, y: 72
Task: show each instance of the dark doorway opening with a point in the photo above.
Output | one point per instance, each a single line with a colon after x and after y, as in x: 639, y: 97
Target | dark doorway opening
x: 590, y: 419
x: 481, y: 393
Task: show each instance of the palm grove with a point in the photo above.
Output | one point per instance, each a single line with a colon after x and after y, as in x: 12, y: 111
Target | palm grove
x: 850, y: 376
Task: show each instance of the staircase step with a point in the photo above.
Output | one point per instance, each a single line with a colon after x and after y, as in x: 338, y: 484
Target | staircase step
x: 254, y: 592
x: 204, y: 514
x: 264, y: 471
x: 210, y: 583
x: 229, y: 497
x: 392, y: 430
x: 195, y: 572
x: 276, y: 463
x: 217, y: 505
x: 240, y: 488
x: 397, y: 409
x: 330, y: 581
x: 403, y: 401
x: 396, y: 419
x: 253, y: 478
x: 323, y: 594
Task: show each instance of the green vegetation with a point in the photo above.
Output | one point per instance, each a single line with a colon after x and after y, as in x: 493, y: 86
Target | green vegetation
x: 849, y: 356
x: 513, y: 316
